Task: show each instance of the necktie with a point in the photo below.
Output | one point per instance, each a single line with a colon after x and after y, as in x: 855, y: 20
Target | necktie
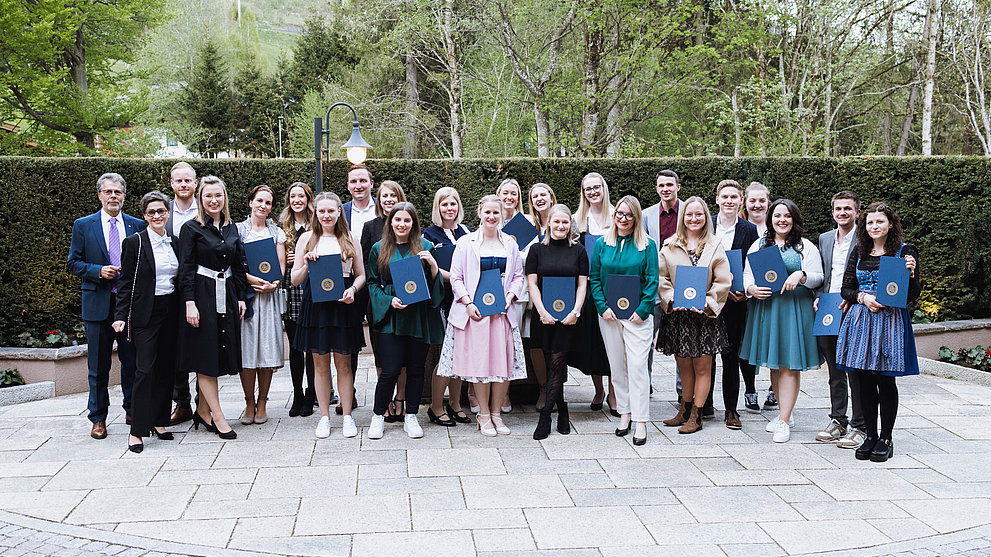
x: 114, y: 250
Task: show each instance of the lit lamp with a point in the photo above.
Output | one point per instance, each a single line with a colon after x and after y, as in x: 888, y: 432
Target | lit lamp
x: 356, y: 147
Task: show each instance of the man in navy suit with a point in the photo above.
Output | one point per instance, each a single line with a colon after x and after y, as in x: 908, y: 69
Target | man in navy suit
x: 94, y: 256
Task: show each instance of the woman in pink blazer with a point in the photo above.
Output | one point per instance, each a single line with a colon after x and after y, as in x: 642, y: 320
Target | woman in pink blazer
x: 486, y: 351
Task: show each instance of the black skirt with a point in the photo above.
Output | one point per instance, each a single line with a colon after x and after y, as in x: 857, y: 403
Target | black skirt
x: 213, y: 348
x: 325, y: 327
x: 588, y: 351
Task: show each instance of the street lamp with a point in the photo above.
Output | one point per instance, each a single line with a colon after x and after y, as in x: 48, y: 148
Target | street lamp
x: 356, y: 147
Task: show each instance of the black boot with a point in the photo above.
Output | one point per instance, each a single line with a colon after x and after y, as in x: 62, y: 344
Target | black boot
x: 306, y: 408
x: 563, y: 423
x: 297, y: 404
x: 543, y: 424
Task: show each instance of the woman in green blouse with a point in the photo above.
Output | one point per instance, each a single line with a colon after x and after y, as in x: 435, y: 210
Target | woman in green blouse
x: 405, y: 331
x: 626, y: 249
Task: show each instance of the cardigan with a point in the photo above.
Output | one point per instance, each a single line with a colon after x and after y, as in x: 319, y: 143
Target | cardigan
x: 713, y: 257
x: 466, y: 272
x: 811, y: 264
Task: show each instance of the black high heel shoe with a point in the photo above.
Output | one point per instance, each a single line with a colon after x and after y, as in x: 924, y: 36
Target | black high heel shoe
x: 640, y: 440
x: 458, y: 416
x: 136, y: 449
x: 199, y: 421
x: 227, y: 435
x: 166, y: 436
x: 624, y: 431
x: 435, y: 419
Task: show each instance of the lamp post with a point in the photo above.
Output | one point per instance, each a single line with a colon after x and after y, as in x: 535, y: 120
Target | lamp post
x: 280, y: 136
x: 356, y: 147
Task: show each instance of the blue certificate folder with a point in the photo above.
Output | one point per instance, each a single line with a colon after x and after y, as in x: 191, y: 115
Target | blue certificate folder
x: 828, y: 316
x: 326, y: 276
x: 735, y: 257
x: 892, y: 282
x: 558, y: 295
x: 623, y: 294
x: 443, y: 255
x: 263, y: 260
x: 489, y: 297
x: 590, y: 240
x: 768, y: 268
x: 409, y: 280
x: 520, y: 228
x: 690, y: 286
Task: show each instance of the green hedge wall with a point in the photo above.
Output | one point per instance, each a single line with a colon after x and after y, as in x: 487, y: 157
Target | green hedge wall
x: 945, y: 205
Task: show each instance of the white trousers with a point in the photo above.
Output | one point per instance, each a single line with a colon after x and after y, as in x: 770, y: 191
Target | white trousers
x: 627, y: 347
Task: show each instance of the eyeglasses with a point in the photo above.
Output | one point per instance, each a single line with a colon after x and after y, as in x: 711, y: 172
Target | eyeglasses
x: 113, y: 193
x: 591, y: 189
x: 156, y: 212
x: 620, y: 215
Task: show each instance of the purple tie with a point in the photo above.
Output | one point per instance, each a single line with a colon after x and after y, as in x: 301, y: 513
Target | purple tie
x: 114, y: 250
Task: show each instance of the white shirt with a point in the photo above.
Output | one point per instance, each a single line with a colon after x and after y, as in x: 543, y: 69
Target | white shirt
x: 725, y: 235
x: 358, y: 218
x: 840, y: 252
x: 166, y: 264
x: 121, y: 231
x: 761, y: 229
x: 179, y: 218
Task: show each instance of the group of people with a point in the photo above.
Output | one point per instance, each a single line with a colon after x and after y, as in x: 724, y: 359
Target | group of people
x: 178, y: 298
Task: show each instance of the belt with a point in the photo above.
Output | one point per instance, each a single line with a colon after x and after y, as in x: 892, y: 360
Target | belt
x: 220, y: 284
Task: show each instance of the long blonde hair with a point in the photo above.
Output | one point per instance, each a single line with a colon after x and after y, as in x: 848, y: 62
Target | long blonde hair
x: 538, y: 220
x: 341, y: 230
x: 287, y: 219
x: 201, y: 209
x: 581, y: 216
x: 640, y: 237
x: 680, y: 237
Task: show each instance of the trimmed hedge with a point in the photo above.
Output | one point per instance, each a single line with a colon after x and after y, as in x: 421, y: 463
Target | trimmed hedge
x: 944, y: 202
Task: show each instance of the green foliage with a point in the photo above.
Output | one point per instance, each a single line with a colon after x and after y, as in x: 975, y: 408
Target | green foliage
x: 208, y: 103
x: 978, y: 357
x: 944, y: 203
x: 10, y: 378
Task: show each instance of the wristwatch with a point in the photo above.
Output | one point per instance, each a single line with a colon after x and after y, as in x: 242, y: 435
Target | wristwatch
x: 577, y: 314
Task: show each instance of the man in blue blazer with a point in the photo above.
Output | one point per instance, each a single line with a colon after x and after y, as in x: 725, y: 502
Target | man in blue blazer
x: 94, y: 256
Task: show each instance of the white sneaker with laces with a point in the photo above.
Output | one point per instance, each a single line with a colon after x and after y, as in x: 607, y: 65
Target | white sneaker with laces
x: 853, y: 439
x: 772, y: 425
x: 323, y: 428
x: 376, y: 429
x: 349, y: 428
x: 783, y: 433
x: 831, y: 433
x: 412, y: 427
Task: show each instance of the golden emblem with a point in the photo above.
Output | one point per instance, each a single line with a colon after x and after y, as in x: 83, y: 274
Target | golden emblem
x: 558, y: 305
x: 770, y: 276
x: 891, y: 289
x: 410, y: 287
x: 827, y: 320
x: 327, y: 284
x: 264, y: 267
x: 690, y: 293
x: 623, y: 303
x: 488, y: 299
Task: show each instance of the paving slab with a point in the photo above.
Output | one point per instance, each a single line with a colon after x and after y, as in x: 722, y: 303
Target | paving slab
x: 132, y: 504
x: 581, y: 527
x: 454, y: 462
x: 510, y: 492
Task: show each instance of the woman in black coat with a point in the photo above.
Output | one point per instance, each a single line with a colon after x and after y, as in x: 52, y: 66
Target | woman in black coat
x: 148, y: 308
x: 213, y: 285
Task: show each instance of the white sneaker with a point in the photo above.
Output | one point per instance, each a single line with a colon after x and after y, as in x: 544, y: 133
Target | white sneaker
x: 412, y: 427
x: 783, y: 433
x: 772, y: 425
x: 376, y: 429
x: 323, y: 428
x: 349, y: 429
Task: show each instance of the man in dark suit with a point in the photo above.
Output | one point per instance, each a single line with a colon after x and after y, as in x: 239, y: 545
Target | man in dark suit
x: 182, y: 208
x: 834, y: 248
x: 94, y: 256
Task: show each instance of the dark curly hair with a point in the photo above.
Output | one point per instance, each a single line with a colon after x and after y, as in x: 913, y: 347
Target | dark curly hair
x: 894, y: 240
x: 794, y: 239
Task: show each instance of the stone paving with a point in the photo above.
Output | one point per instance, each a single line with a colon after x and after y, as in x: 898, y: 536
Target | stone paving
x: 278, y: 490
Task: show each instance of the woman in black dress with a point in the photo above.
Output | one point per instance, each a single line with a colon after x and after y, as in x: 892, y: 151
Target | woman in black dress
x: 558, y: 255
x: 147, y: 306
x: 213, y: 284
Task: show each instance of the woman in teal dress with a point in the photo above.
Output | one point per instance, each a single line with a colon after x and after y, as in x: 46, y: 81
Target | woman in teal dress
x: 405, y: 331
x: 778, y: 335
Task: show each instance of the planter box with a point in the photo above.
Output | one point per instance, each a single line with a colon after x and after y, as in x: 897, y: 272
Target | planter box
x: 955, y: 334
x: 66, y: 367
x: 953, y: 371
x: 27, y: 393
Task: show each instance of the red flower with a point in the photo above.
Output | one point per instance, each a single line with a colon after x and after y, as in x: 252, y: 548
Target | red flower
x: 988, y: 350
x: 52, y: 332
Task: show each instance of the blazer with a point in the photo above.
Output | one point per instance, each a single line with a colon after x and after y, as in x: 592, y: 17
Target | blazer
x: 87, y: 254
x: 827, y: 241
x: 811, y: 264
x: 346, y: 209
x: 466, y: 272
x: 652, y: 222
x: 713, y: 257
x: 135, y: 298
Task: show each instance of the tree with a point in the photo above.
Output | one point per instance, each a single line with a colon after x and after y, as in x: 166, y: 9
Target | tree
x: 257, y: 108
x: 320, y: 55
x: 207, y: 102
x: 64, y: 63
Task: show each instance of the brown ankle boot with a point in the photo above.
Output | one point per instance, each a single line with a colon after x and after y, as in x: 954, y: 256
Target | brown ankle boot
x: 682, y: 415
x: 694, y: 422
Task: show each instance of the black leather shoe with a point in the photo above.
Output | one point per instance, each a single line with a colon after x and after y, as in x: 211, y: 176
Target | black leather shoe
x: 435, y: 419
x: 458, y: 416
x: 625, y: 431
x: 164, y: 436
x: 863, y: 452
x: 883, y: 450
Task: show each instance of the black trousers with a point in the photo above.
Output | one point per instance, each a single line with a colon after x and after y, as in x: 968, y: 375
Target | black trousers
x: 879, y: 395
x: 398, y: 352
x: 155, y: 343
x: 298, y: 363
x: 839, y: 381
x: 735, y: 318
